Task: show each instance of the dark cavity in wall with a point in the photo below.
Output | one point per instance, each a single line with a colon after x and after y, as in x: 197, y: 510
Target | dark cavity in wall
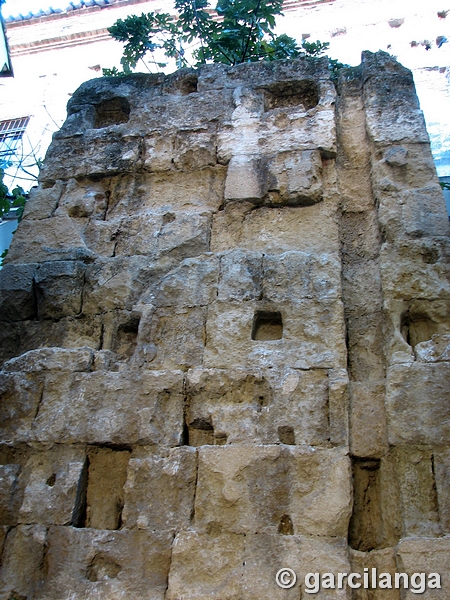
x: 417, y: 328
x: 284, y: 94
x: 365, y: 530
x: 267, y: 326
x: 106, y: 477
x: 126, y: 338
x: 112, y: 112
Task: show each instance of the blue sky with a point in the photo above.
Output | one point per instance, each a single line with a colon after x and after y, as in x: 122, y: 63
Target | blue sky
x: 15, y: 7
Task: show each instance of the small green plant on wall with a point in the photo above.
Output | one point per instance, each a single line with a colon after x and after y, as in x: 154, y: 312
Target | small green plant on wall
x: 16, y: 199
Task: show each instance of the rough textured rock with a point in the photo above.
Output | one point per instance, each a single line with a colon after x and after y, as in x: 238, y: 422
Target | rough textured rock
x: 225, y: 341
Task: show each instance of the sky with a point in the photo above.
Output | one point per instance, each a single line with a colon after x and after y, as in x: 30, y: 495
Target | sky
x: 16, y: 7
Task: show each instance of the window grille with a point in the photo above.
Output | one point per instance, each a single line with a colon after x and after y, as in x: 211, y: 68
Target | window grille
x: 11, y: 133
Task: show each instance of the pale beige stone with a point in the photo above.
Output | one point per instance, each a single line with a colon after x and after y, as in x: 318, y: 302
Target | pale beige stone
x: 106, y: 565
x: 112, y: 408
x: 160, y: 490
x: 381, y: 560
x: 54, y: 480
x: 252, y: 491
x: 368, y: 431
x: 417, y: 412
x: 424, y: 556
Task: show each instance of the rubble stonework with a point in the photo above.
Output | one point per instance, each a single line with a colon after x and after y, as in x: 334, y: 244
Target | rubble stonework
x: 226, y: 341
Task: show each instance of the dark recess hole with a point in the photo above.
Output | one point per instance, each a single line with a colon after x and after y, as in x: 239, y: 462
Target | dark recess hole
x: 286, y: 435
x: 365, y: 529
x: 102, y: 567
x: 126, y: 338
x: 188, y: 85
x: 291, y: 93
x: 267, y: 326
x: 416, y: 328
x: 51, y: 480
x: 286, y: 527
x: 112, y: 112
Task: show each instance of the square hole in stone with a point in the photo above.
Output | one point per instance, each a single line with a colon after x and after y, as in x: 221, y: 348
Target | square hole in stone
x: 267, y: 326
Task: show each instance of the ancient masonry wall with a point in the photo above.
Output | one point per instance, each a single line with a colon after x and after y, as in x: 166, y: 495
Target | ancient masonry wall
x: 226, y: 341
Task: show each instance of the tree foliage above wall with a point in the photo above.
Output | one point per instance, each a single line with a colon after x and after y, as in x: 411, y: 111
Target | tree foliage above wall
x: 236, y: 31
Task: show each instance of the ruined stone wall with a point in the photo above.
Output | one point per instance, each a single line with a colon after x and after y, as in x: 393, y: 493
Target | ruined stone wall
x: 225, y: 341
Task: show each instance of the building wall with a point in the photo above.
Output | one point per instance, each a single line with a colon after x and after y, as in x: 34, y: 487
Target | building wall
x: 226, y: 336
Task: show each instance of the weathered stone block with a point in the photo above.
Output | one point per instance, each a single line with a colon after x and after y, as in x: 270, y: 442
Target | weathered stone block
x: 17, y: 301
x: 296, y: 178
x: 272, y: 230
x: 93, y: 564
x: 299, y: 341
x: 441, y: 465
x: 96, y: 408
x: 9, y: 494
x: 368, y: 433
x: 160, y: 490
x: 43, y: 202
x: 416, y: 406
x: 20, y: 396
x: 84, y: 199
x: 256, y: 491
x: 246, y: 178
x: 425, y: 556
x: 240, y: 276
x: 54, y: 482
x: 22, y: 562
x: 59, y: 288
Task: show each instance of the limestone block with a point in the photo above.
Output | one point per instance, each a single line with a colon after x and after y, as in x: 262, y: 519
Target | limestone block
x: 414, y: 269
x: 42, y: 202
x: 240, y: 276
x: 405, y: 166
x: 435, y: 350
x: 20, y: 396
x: 184, y: 233
x: 381, y: 560
x: 51, y: 359
x: 54, y: 482
x: 419, y: 502
x: 265, y: 554
x: 9, y: 494
x: 246, y: 178
x: 96, y: 408
x: 296, y: 178
x: 338, y: 401
x: 192, y: 283
x: 138, y: 235
x: 57, y: 238
x: 58, y: 288
x: 105, y: 565
x: 70, y: 332
x: 441, y: 463
x: 22, y: 562
x: 272, y: 230
x: 101, y: 236
x: 195, y: 149
x: 168, y: 192
x: 293, y: 276
x: 368, y: 433
x: 417, y: 406
x: 159, y: 151
x: 177, y: 336
x: 84, y: 199
x: 117, y: 283
x: 206, y: 566
x: 17, y: 301
x: 299, y: 341
x: 360, y: 236
x: 259, y: 489
x: 425, y: 556
x: 97, y: 152
x: 238, y: 406
x: 355, y: 187
x: 160, y: 490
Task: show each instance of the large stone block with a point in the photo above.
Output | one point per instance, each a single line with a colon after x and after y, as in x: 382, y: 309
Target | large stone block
x: 21, y: 572
x: 17, y: 299
x: 239, y: 406
x: 263, y: 488
x: 97, y: 408
x: 160, y: 490
x: 303, y: 335
x: 417, y: 405
x: 105, y: 565
x: 424, y: 556
x: 20, y: 396
x: 9, y: 494
x: 59, y: 288
x: 54, y: 484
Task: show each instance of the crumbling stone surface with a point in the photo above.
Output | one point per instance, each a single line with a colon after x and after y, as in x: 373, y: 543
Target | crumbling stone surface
x: 225, y: 341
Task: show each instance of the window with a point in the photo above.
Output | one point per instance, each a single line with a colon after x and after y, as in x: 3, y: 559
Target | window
x: 11, y: 133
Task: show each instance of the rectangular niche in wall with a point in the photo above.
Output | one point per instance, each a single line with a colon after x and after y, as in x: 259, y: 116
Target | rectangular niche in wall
x: 267, y: 326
